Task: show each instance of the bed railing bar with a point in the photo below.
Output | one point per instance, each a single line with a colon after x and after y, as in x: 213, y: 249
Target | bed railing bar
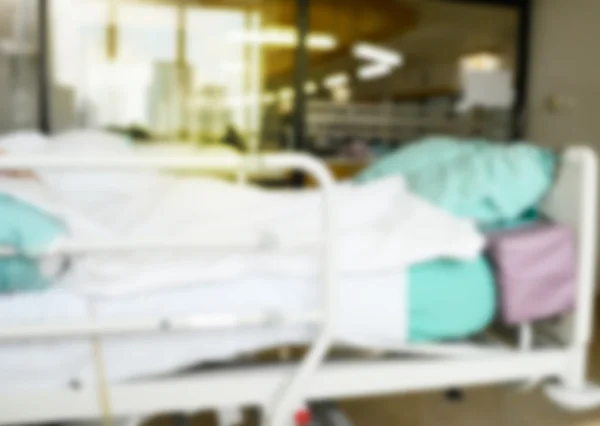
x: 525, y: 337
x: 288, y: 398
x: 450, y: 350
x: 109, y: 246
x: 188, y: 323
x: 289, y: 395
x: 216, y: 163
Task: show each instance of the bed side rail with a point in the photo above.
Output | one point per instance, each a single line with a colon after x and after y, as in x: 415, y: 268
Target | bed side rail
x: 286, y: 399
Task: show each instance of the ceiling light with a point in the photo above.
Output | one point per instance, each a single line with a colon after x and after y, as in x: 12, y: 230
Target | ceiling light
x: 284, y: 37
x: 321, y: 42
x: 373, y: 71
x: 341, y: 94
x: 377, y: 54
x: 481, y: 62
x: 310, y: 88
x: 286, y: 94
x: 336, y: 80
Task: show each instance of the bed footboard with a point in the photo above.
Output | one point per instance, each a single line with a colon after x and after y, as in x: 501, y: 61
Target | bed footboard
x: 573, y: 202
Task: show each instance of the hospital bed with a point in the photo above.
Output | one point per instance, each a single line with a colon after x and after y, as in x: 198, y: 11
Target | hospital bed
x: 122, y: 335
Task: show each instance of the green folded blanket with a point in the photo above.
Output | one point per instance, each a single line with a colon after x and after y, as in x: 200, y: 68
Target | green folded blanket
x: 477, y: 179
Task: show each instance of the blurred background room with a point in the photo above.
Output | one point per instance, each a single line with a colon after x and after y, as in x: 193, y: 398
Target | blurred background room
x: 348, y: 81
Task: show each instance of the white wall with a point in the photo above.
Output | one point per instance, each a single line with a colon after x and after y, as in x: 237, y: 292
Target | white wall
x: 565, y: 63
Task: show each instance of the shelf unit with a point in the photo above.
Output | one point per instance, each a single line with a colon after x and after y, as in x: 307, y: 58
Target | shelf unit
x: 401, y: 122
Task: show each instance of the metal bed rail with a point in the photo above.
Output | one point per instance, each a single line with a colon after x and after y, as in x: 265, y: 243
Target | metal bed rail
x: 289, y: 396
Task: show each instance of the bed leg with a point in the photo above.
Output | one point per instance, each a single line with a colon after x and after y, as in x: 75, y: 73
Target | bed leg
x: 454, y: 395
x: 229, y: 416
x: 576, y: 375
x: 525, y: 337
x: 574, y: 392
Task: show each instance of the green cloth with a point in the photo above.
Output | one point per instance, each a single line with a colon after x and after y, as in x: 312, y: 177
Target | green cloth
x: 497, y: 185
x: 477, y: 179
x: 25, y: 228
x: 449, y: 299
x: 528, y: 218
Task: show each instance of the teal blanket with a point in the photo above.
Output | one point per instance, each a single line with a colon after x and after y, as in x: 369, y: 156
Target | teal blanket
x: 450, y: 300
x: 24, y: 227
x: 487, y: 182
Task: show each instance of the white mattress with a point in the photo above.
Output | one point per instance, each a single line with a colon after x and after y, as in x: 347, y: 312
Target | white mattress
x: 371, y: 312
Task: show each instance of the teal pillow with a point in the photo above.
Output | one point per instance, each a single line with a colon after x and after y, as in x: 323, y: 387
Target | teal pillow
x: 450, y: 299
x: 24, y: 227
x: 476, y: 179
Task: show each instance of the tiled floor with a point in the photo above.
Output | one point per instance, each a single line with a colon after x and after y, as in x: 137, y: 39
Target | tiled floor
x: 494, y: 406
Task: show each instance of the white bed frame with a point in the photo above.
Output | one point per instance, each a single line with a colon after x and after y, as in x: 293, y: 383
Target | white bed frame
x: 279, y: 389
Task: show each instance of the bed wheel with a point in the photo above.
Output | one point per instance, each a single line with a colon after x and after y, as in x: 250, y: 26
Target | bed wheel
x: 455, y: 395
x: 328, y: 414
x: 574, y: 399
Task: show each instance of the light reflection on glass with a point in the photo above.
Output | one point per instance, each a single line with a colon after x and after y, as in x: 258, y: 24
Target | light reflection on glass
x: 194, y: 88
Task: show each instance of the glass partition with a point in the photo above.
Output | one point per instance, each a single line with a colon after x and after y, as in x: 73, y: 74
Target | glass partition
x: 404, y: 70
x: 214, y: 72
x: 190, y: 72
x: 18, y: 65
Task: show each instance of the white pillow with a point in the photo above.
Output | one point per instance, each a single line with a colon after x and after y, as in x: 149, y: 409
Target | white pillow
x: 94, y: 144
x: 21, y: 143
x: 84, y: 142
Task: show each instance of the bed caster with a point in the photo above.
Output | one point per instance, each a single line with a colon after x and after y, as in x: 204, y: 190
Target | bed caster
x: 328, y: 414
x: 574, y: 399
x: 455, y: 395
x: 320, y: 414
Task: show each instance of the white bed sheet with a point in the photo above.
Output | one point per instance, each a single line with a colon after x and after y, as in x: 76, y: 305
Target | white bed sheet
x: 380, y: 226
x: 371, y: 314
